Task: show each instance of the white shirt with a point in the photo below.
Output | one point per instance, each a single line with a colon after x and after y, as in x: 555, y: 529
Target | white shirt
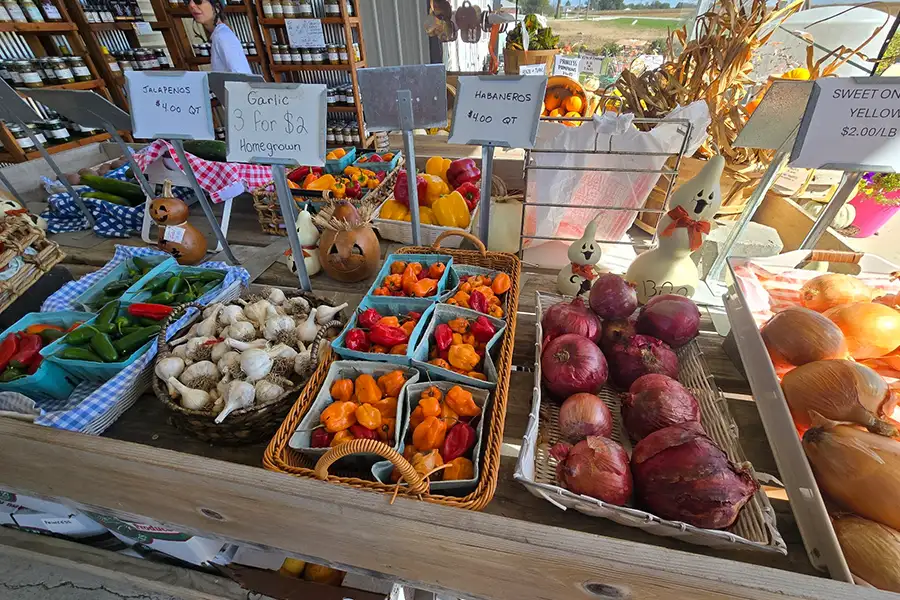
x: 227, y: 53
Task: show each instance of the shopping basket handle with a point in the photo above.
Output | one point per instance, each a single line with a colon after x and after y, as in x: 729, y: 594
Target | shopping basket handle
x: 835, y: 256
x: 417, y: 485
x: 464, y: 234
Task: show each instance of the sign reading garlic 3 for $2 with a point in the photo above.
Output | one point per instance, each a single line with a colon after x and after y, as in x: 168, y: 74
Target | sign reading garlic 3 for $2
x: 276, y: 123
x: 498, y: 111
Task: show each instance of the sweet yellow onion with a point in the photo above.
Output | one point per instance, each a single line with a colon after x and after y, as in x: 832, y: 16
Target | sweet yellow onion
x: 842, y: 390
x: 797, y: 336
x: 857, y: 469
x: 871, y: 329
x: 872, y: 551
x: 825, y: 291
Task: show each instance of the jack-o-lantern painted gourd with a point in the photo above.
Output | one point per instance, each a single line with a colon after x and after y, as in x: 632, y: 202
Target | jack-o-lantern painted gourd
x: 176, y: 236
x: 348, y: 248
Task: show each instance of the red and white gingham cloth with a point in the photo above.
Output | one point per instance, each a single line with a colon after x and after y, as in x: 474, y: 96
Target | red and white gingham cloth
x: 214, y: 177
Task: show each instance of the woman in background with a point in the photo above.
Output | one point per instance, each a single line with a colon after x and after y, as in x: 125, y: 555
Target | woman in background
x: 227, y: 53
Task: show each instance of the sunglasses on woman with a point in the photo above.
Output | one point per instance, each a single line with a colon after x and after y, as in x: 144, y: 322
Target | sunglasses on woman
x: 197, y: 2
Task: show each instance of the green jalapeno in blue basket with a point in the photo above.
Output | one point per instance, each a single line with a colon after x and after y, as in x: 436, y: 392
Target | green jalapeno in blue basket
x: 131, y: 342
x: 72, y: 353
x: 107, y: 314
x: 103, y: 347
x: 82, y: 335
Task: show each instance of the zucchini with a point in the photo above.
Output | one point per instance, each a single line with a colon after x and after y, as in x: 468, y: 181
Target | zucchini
x: 123, y: 189
x: 108, y: 198
x: 206, y: 149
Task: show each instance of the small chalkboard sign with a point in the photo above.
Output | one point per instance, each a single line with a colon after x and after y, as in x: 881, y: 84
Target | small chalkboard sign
x: 498, y: 111
x: 172, y: 105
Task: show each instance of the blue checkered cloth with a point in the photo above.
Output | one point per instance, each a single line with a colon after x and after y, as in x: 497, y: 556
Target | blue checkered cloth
x: 92, y: 407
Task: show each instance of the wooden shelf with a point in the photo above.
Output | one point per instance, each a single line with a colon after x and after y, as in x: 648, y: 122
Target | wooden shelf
x: 279, y: 21
x: 343, y: 109
x: 186, y: 14
x: 119, y: 25
x: 47, y: 28
x: 100, y: 137
x: 287, y: 68
x: 205, y: 60
x: 78, y: 85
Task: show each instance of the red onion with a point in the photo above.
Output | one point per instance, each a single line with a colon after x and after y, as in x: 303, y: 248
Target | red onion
x: 672, y: 318
x: 656, y: 401
x: 638, y: 356
x: 570, y: 317
x: 572, y: 363
x: 612, y: 297
x: 582, y: 415
x: 680, y: 474
x: 595, y: 467
x: 620, y: 330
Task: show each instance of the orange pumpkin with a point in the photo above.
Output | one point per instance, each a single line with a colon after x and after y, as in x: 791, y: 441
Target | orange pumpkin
x: 349, y: 255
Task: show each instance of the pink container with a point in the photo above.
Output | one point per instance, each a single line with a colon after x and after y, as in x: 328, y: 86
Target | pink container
x: 870, y: 215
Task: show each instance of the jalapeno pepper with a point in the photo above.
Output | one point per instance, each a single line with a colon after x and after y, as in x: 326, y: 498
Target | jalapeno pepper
x: 157, y: 283
x: 117, y: 287
x: 106, y: 328
x: 71, y: 353
x: 133, y: 341
x: 161, y: 298
x: 11, y: 374
x: 142, y: 263
x: 82, y: 335
x: 205, y: 276
x: 209, y: 286
x: 107, y: 313
x: 175, y: 285
x: 103, y: 347
x: 185, y: 297
x: 51, y: 335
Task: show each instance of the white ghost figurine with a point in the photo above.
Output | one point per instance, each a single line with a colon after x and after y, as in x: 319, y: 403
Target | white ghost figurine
x: 668, y: 268
x: 583, y: 254
x: 8, y: 204
x: 309, y: 240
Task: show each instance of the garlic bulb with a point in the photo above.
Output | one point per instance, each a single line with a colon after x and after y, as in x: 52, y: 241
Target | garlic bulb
x: 231, y: 314
x: 275, y: 326
x: 276, y: 296
x: 298, y: 305
x: 170, y: 366
x: 219, y: 350
x: 191, y: 399
x: 306, y: 331
x: 209, y: 309
x: 326, y: 313
x: 303, y: 362
x: 218, y: 405
x: 266, y: 391
x: 256, y: 364
x: 239, y: 395
x: 241, y: 346
x: 200, y: 348
x: 282, y: 351
x: 258, y: 312
x: 207, y: 326
x: 201, y: 375
x: 243, y: 331
x: 230, y: 364
x: 180, y: 352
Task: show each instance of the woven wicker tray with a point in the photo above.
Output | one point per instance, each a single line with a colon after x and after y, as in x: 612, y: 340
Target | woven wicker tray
x: 16, y: 236
x: 755, y: 527
x: 279, y: 457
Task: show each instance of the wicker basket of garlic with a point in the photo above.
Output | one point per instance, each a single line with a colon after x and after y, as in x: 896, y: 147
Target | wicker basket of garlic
x: 232, y: 378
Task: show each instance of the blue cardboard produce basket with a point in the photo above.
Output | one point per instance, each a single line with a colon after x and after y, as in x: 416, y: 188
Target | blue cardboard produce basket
x: 119, y: 271
x: 425, y: 259
x: 336, y: 167
x: 386, y: 306
x: 387, y: 166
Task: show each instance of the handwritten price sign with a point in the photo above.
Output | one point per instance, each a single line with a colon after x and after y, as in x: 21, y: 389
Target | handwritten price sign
x: 170, y: 105
x: 276, y: 123
x: 498, y: 111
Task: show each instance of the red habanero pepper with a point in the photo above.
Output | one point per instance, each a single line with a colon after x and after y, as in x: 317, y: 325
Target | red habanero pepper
x: 356, y: 339
x: 362, y: 432
x: 470, y: 193
x: 8, y: 349
x: 320, y: 438
x: 478, y: 301
x: 482, y: 329
x: 388, y: 335
x: 443, y: 336
x: 414, y: 315
x: 156, y: 312
x: 368, y: 318
x: 29, y: 346
x: 35, y: 364
x: 459, y: 440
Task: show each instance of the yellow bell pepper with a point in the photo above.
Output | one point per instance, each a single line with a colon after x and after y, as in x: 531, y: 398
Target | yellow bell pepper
x: 451, y: 211
x: 394, y: 210
x: 436, y: 188
x: 426, y: 216
x: 352, y: 171
x: 339, y: 189
x: 437, y: 165
x: 325, y: 182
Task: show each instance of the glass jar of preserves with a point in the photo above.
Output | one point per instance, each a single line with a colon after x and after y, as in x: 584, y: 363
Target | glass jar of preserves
x: 348, y: 135
x: 163, y: 59
x: 329, y: 135
x: 21, y: 137
x: 283, y: 54
x: 16, y: 14
x: 333, y: 56
x: 145, y: 60
x: 348, y: 95
x: 63, y: 72
x: 37, y: 133
x: 4, y: 72
x: 305, y: 9
x: 111, y: 61
x: 267, y: 9
x: 342, y: 54
x: 252, y: 48
x: 356, y: 51
x: 320, y: 57
x: 277, y: 9
x: 32, y: 12
x: 306, y: 56
x: 79, y: 69
x: 28, y: 72
x: 289, y: 9
x: 45, y: 70
x: 332, y: 8
x: 339, y: 96
x: 151, y: 58
x: 294, y: 56
x: 349, y: 8
x: 4, y: 14
x: 354, y: 131
x: 124, y: 63
x: 56, y: 131
x: 331, y: 97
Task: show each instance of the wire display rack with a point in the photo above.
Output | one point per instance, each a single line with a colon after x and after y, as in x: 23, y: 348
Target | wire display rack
x: 684, y: 130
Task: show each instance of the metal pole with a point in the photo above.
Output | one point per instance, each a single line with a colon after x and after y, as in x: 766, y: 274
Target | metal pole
x: 286, y: 202
x: 11, y: 189
x: 484, y: 220
x: 753, y: 203
x: 404, y: 109
x: 204, y: 202
x: 843, y: 193
x: 138, y: 174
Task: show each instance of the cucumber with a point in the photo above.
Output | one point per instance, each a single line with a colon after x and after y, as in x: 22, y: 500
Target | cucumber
x: 206, y: 149
x: 123, y: 189
x: 108, y: 197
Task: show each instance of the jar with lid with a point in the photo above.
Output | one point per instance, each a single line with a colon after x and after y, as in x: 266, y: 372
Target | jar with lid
x: 267, y: 9
x: 305, y: 9
x: 333, y: 56
x: 306, y: 55
x: 348, y: 95
x: 38, y: 134
x: 329, y: 135
x: 332, y: 8
x: 342, y: 54
x: 332, y: 97
x: 104, y: 14
x: 110, y: 60
x: 56, y: 131
x: 146, y: 60
x: 51, y: 13
x: 320, y: 56
x: 124, y: 62
x: 78, y: 68
x: 151, y: 58
x: 4, y: 72
x: 292, y: 55
x: 46, y: 71
x: 16, y: 14
x: 277, y: 54
x: 32, y: 12
x: 348, y: 135
x: 288, y: 8
x: 277, y: 9
x: 29, y: 75
x: 21, y: 137
x: 63, y: 72
x: 339, y: 96
x: 354, y: 132
x: 163, y: 59
x: 252, y: 48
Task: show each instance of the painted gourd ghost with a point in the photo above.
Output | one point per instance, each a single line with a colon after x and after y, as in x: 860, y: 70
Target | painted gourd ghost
x: 348, y: 249
x: 583, y: 254
x: 669, y: 268
x: 176, y: 236
x: 309, y: 238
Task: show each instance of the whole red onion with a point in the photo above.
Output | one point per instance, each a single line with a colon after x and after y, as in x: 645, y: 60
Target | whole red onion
x: 582, y: 415
x: 656, y: 401
x: 570, y: 317
x: 571, y: 364
x: 616, y: 331
x: 672, y: 318
x: 612, y: 297
x: 595, y: 467
x: 638, y: 356
x: 680, y: 474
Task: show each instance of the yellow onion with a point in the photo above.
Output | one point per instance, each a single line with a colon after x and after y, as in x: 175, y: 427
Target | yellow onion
x: 871, y: 329
x: 872, y: 551
x: 825, y: 291
x: 857, y: 469
x: 797, y: 336
x: 842, y: 390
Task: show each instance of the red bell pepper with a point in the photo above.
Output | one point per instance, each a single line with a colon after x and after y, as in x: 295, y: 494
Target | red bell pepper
x: 401, y: 189
x: 458, y: 441
x: 157, y: 312
x: 461, y: 171
x: 470, y: 193
x: 368, y: 318
x: 478, y: 301
x: 357, y: 340
x: 482, y: 329
x: 443, y: 336
x: 388, y: 335
x: 299, y: 173
x: 29, y: 347
x: 8, y: 349
x: 352, y: 190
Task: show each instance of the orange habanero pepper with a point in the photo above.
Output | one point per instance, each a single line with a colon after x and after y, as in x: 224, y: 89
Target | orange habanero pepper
x: 458, y: 325
x: 387, y: 407
x: 461, y: 402
x: 436, y: 271
x: 342, y: 390
x: 390, y: 321
x: 397, y: 267
x: 367, y: 390
x: 423, y: 287
x: 391, y: 383
x: 368, y: 416
x: 430, y: 406
x: 430, y: 433
x: 459, y: 468
x: 339, y: 416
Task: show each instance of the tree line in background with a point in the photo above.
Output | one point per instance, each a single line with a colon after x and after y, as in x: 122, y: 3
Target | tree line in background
x: 546, y: 7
